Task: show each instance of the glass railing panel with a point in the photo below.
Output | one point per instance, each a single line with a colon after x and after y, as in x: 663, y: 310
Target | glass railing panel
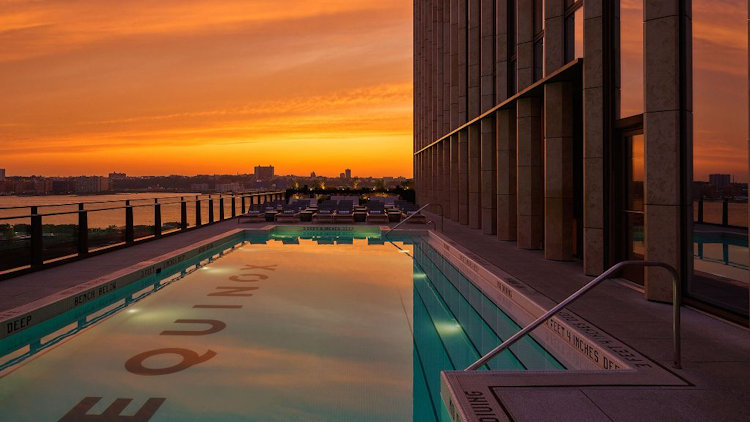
x: 712, y: 211
x: 143, y: 221
x: 171, y: 216
x: 15, y: 243
x: 737, y: 214
x: 106, y: 228
x: 59, y: 236
x: 190, y: 206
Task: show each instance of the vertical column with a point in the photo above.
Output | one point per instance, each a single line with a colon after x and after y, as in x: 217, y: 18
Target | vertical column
x: 439, y: 75
x: 454, y: 177
x: 474, y: 52
x: 463, y: 88
x: 554, y: 35
x: 488, y: 188
x: 525, y: 43
x: 454, y: 52
x: 668, y: 142
x: 417, y: 102
x: 446, y: 63
x: 463, y: 176
x: 558, y: 143
x: 434, y: 71
x: 558, y: 174
x: 445, y: 170
x: 529, y: 147
x: 505, y: 130
x: 440, y: 187
x: 436, y: 187
x: 501, y: 50
x: 594, y: 126
x: 475, y: 206
x: 530, y: 172
x: 427, y: 176
x: 488, y: 178
x: 506, y: 174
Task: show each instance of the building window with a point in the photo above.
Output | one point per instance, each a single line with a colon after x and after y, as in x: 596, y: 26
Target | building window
x: 631, y: 57
x: 573, y: 29
x: 720, y: 157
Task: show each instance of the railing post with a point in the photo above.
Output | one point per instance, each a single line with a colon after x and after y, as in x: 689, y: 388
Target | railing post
x: 36, y: 238
x: 183, y: 213
x: 210, y: 209
x: 725, y: 212
x: 197, y: 211
x: 221, y: 208
x: 83, y: 231
x: 700, y: 211
x: 157, y: 218
x: 234, y: 207
x: 129, y: 230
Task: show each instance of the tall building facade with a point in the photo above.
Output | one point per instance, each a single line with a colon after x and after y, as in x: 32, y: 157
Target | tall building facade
x: 529, y: 127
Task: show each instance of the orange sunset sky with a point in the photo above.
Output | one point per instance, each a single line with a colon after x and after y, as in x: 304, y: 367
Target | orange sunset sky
x: 205, y: 86
x: 219, y: 86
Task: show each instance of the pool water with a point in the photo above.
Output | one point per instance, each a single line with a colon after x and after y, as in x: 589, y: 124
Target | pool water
x: 311, y: 327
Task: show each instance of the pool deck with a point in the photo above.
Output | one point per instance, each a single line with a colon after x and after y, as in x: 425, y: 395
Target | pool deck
x: 716, y: 354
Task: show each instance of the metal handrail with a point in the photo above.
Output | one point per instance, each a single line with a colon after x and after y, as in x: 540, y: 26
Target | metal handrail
x: 405, y: 220
x: 676, y: 303
x: 442, y: 216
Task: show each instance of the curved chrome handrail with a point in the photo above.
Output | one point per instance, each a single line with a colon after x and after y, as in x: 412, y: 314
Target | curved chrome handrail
x: 405, y: 220
x: 676, y: 303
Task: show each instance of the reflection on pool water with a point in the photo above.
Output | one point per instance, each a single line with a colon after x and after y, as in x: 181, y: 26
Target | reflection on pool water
x: 313, y: 328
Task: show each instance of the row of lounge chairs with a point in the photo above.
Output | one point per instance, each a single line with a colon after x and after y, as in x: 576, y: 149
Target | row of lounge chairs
x: 375, y: 211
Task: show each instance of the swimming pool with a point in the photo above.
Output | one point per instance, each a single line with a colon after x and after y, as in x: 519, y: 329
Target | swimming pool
x: 294, y: 324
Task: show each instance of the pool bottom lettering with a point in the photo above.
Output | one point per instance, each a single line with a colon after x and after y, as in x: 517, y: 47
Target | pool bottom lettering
x: 137, y: 364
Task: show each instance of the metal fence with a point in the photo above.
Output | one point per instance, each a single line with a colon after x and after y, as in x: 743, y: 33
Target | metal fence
x: 34, y: 237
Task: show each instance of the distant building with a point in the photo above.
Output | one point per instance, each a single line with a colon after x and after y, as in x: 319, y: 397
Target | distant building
x: 312, y: 174
x: 228, y: 187
x: 719, y: 180
x: 263, y: 172
x: 348, y: 173
x: 92, y: 184
x: 117, y: 176
x: 342, y: 175
x: 2, y: 175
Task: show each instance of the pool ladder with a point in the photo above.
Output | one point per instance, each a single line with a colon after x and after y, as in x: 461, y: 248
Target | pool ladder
x: 676, y: 304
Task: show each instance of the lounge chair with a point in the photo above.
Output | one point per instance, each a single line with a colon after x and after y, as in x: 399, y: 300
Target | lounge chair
x: 376, y: 212
x: 344, y: 212
x: 289, y: 213
x: 255, y: 214
x: 326, y: 212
